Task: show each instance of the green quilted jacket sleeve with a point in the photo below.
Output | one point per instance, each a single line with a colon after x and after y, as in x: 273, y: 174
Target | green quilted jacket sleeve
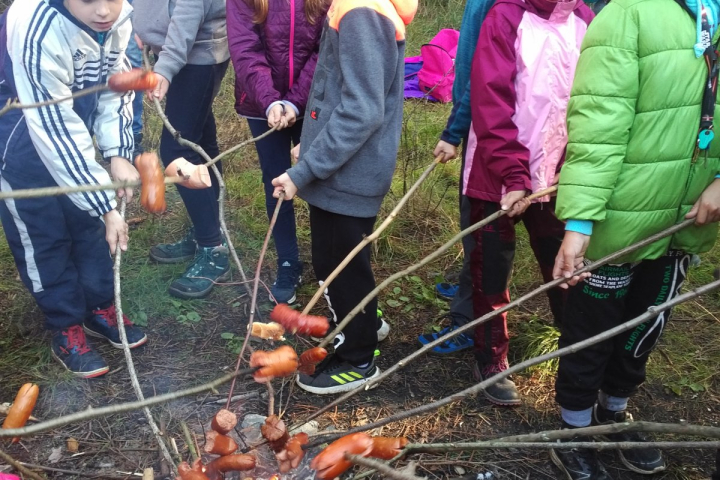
x: 600, y: 114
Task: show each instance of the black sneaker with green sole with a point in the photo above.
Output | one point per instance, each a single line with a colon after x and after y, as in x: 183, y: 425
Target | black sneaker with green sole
x: 180, y: 251
x: 211, y: 265
x: 334, y: 375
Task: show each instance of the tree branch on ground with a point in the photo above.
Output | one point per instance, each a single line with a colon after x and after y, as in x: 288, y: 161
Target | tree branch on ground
x: 19, y: 466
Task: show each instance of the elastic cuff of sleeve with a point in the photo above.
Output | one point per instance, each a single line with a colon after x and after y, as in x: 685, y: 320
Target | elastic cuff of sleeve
x: 123, y: 152
x: 449, y: 138
x: 297, y: 112
x: 101, y: 210
x: 301, y: 175
x: 580, y: 226
x: 276, y: 102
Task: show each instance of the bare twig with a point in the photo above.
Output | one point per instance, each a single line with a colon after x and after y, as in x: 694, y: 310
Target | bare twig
x: 418, y: 353
x: 77, y: 473
x: 57, y: 191
x: 128, y: 354
x: 381, y: 467
x: 16, y: 105
x: 445, y: 247
x: 189, y: 441
x: 271, y: 398
x: 253, y: 300
x: 368, y: 240
x: 91, y: 413
x: 19, y: 466
x: 651, y: 313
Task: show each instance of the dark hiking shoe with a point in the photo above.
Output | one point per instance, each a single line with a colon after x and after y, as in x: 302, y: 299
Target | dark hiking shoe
x: 180, y: 251
x: 211, y: 265
x: 70, y: 348
x: 646, y: 461
x: 103, y: 324
x: 334, y: 375
x: 503, y: 392
x: 452, y: 345
x: 289, y: 276
x: 578, y: 463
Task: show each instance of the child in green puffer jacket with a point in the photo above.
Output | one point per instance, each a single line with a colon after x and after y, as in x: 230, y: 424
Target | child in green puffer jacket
x: 638, y: 161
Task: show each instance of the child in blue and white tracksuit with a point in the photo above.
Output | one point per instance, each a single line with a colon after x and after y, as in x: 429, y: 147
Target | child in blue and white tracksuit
x: 61, y: 245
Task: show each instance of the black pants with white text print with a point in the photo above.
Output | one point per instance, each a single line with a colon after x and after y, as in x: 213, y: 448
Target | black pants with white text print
x: 613, y: 295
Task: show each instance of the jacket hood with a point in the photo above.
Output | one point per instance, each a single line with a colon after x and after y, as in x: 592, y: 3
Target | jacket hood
x: 406, y: 9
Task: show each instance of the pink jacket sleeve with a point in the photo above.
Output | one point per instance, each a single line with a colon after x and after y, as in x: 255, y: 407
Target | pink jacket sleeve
x: 248, y: 55
x: 493, y: 98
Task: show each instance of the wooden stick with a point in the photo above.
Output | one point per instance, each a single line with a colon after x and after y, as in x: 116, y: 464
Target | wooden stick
x: 19, y: 466
x: 369, y: 239
x: 478, y: 321
x: 630, y: 324
x: 190, y: 441
x: 16, y: 105
x: 253, y: 299
x: 57, y: 191
x: 128, y: 355
x: 381, y: 467
x: 91, y: 413
x: 445, y: 247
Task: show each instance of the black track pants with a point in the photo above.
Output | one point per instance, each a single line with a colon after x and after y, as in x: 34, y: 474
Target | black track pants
x: 613, y: 295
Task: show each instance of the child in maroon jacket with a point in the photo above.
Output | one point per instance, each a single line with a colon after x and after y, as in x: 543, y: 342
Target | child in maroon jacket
x: 273, y: 45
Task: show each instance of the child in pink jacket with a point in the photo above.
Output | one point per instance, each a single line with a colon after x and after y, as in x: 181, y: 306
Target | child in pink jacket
x: 520, y: 85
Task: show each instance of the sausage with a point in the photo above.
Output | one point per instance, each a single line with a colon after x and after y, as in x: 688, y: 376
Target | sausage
x: 135, y: 79
x: 152, y: 195
x: 331, y: 462
x: 310, y: 358
x: 275, y: 432
x: 296, y: 322
x: 268, y: 331
x: 219, y: 444
x: 295, y: 452
x: 387, y: 447
x: 281, y: 362
x: 21, y: 408
x: 232, y: 463
x: 190, y: 474
x: 224, y: 421
x: 196, y: 176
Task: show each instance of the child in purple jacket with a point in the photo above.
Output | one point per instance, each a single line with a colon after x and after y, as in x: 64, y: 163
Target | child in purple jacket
x: 271, y: 90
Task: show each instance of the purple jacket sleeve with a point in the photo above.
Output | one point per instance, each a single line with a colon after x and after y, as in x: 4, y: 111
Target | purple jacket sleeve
x: 493, y: 100
x: 248, y: 55
x: 298, y: 94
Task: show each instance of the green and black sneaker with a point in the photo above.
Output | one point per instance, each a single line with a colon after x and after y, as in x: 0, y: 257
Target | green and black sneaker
x: 211, y: 266
x: 180, y: 251
x: 334, y: 375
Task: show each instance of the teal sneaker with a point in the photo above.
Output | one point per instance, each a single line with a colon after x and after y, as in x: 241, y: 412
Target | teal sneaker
x: 211, y: 265
x: 180, y: 251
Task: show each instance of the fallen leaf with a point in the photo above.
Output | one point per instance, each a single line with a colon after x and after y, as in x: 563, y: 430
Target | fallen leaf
x: 55, y: 455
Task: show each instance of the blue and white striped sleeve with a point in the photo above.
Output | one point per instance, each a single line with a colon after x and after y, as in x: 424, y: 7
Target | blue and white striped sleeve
x: 113, y: 124
x: 43, y: 72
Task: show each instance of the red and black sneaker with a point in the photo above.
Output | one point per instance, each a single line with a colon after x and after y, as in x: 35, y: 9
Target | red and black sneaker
x: 103, y: 324
x: 70, y: 348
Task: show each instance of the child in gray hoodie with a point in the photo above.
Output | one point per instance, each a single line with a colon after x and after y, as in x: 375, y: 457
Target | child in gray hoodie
x: 348, y: 149
x: 189, y: 40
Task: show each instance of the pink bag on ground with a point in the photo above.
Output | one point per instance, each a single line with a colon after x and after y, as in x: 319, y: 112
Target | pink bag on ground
x: 437, y: 74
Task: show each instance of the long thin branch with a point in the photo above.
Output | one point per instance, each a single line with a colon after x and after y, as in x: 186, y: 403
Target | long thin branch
x: 16, y: 105
x: 418, y: 353
x: 90, y: 413
x: 651, y: 313
x: 368, y: 240
x: 550, y: 437
x: 19, y: 467
x: 445, y: 247
x: 128, y: 355
x: 57, y: 191
x: 381, y: 467
x: 253, y: 300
